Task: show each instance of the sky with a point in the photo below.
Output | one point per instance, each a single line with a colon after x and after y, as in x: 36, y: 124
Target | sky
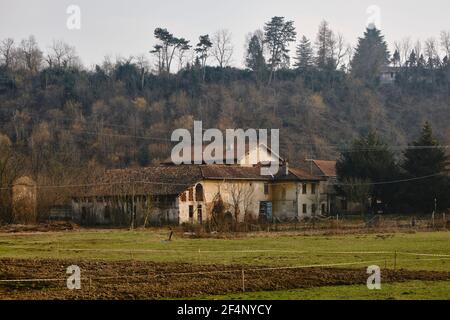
x: 123, y: 28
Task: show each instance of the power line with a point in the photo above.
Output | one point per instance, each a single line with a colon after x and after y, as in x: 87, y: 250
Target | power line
x: 104, y: 184
x: 224, y: 179
x: 389, y: 182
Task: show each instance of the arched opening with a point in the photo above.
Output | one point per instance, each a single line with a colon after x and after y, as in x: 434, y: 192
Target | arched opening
x: 199, y: 195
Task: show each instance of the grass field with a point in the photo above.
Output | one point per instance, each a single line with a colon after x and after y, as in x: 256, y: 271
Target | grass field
x: 418, y: 290
x: 411, y: 251
x: 274, y: 249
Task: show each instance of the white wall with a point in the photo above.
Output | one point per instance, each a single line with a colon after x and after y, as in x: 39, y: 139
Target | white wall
x: 257, y: 155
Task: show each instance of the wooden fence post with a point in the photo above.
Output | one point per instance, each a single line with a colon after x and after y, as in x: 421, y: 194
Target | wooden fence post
x: 243, y: 280
x: 395, y: 260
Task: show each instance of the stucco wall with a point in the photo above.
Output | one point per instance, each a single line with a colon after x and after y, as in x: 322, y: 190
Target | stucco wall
x: 251, y: 194
x: 287, y: 199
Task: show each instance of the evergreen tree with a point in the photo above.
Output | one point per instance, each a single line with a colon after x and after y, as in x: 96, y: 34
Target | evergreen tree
x: 371, y: 161
x: 304, y: 55
x: 412, y: 61
x: 424, y: 158
x: 396, y: 59
x: 255, y: 55
x: 370, y: 57
x: 278, y: 34
x: 202, y: 49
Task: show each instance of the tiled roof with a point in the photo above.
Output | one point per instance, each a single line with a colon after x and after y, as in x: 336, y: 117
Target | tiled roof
x: 160, y: 180
x: 328, y: 168
x: 225, y: 157
x: 173, y: 180
x: 303, y: 175
x: 234, y: 172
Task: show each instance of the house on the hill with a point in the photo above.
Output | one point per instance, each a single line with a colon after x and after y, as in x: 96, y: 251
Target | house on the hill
x: 388, y: 74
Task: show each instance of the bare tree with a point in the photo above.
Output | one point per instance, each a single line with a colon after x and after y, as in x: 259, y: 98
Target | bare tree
x: 144, y: 67
x: 340, y: 50
x: 418, y: 48
x: 7, y: 52
x: 10, y: 165
x: 431, y: 52
x: 406, y: 49
x: 222, y: 49
x: 403, y: 48
x: 30, y: 55
x: 241, y: 195
x: 445, y: 42
x: 62, y: 55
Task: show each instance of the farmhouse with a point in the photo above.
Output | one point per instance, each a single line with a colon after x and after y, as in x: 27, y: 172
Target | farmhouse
x: 189, y: 193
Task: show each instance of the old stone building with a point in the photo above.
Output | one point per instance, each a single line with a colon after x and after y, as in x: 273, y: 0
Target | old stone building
x: 186, y: 194
x: 24, y: 200
x: 179, y: 194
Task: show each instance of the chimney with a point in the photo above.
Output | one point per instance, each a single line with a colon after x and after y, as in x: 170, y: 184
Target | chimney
x: 286, y: 166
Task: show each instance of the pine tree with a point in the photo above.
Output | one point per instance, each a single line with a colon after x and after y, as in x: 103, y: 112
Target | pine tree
x: 304, y: 55
x: 396, y: 59
x: 325, y: 44
x: 412, y: 61
x: 370, y: 57
x: 425, y: 158
x: 278, y: 34
x: 254, y: 59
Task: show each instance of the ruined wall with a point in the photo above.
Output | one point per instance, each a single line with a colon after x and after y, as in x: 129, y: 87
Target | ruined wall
x: 253, y: 193
x: 119, y: 211
x: 24, y: 201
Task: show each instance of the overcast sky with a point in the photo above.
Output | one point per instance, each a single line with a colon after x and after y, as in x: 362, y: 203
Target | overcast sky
x: 123, y: 28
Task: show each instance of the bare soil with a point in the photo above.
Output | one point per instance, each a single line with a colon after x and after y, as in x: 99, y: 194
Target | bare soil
x: 148, y: 280
x: 41, y: 227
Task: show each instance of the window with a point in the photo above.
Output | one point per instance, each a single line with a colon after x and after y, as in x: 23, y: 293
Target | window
x: 304, y: 190
x: 305, y: 209
x: 199, y: 214
x: 191, y: 194
x: 313, y: 188
x: 183, y: 197
x: 191, y: 213
x: 324, y: 210
x: 199, y: 193
x: 266, y: 188
x: 313, y: 208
